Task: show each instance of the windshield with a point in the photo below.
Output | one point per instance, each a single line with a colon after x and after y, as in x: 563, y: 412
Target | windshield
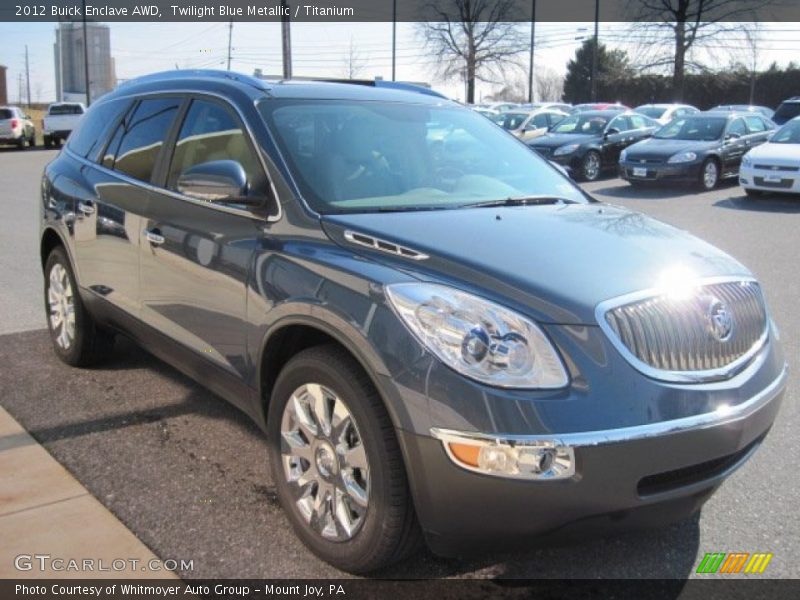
x: 788, y: 110
x: 581, y: 123
x: 368, y: 156
x: 705, y: 129
x: 66, y: 109
x: 788, y: 134
x: 654, y: 112
x: 510, y: 121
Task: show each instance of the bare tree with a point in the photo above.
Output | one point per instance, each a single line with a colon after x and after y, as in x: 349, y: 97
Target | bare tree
x: 473, y: 39
x: 353, y: 62
x: 549, y: 85
x: 692, y: 25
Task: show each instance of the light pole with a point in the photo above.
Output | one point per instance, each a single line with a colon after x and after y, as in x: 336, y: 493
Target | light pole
x: 533, y: 38
x: 593, y: 87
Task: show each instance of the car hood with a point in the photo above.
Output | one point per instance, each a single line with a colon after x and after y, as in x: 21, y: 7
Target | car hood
x: 553, y: 262
x: 655, y: 148
x: 777, y: 154
x: 554, y: 140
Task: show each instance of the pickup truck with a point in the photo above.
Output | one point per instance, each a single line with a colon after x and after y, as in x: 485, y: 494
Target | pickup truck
x: 60, y: 120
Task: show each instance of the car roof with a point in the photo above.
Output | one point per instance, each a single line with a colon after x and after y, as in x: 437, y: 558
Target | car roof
x: 609, y: 112
x: 722, y: 114
x: 662, y: 104
x: 203, y: 79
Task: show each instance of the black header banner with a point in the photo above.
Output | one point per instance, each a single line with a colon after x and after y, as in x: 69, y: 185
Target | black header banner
x: 388, y: 10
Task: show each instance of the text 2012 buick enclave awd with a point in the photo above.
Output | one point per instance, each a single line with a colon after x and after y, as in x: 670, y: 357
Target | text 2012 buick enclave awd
x: 441, y: 335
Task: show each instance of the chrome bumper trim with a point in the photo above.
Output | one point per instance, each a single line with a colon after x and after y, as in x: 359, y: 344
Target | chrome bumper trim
x: 719, y: 417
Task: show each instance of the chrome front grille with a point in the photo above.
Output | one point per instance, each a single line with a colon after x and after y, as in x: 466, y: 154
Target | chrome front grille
x: 701, y: 335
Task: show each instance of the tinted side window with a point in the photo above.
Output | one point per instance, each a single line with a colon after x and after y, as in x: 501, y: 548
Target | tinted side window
x: 737, y: 127
x: 138, y: 140
x: 619, y: 123
x: 211, y: 132
x: 756, y: 124
x: 638, y: 122
x: 541, y: 120
x: 93, y: 128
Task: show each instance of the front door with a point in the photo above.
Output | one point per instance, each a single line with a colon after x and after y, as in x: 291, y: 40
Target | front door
x: 196, y: 255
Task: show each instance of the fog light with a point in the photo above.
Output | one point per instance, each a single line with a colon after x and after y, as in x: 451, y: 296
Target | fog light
x: 529, y: 459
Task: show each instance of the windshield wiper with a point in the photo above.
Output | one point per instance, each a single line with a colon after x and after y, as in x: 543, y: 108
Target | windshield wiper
x: 521, y: 201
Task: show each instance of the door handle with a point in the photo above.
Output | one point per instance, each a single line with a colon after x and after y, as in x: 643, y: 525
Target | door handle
x: 86, y: 208
x: 154, y: 237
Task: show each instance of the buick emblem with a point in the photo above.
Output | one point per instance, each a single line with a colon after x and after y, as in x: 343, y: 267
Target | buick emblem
x: 720, y: 322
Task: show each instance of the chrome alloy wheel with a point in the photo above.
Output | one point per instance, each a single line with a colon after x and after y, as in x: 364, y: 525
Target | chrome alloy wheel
x: 61, y: 305
x: 591, y: 166
x: 710, y: 174
x: 324, y: 462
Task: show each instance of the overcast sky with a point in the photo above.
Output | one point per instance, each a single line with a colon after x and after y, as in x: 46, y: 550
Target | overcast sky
x: 320, y: 49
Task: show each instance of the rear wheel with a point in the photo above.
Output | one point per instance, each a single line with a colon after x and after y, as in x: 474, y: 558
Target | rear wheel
x: 590, y: 166
x: 21, y: 142
x: 77, y: 339
x: 337, y: 465
x: 709, y: 174
x: 48, y: 141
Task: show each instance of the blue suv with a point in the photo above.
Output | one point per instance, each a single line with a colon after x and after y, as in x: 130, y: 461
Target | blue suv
x: 442, y: 336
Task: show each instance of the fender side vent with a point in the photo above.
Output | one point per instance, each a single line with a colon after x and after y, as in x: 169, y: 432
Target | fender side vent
x: 382, y: 245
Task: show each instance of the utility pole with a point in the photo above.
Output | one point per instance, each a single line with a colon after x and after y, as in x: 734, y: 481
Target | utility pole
x: 593, y: 92
x: 86, y: 57
x: 533, y: 38
x: 394, y: 37
x: 27, y: 76
x: 287, y: 40
x: 230, y: 40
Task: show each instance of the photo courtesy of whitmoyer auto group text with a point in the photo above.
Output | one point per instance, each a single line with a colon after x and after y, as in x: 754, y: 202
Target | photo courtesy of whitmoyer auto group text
x: 399, y: 299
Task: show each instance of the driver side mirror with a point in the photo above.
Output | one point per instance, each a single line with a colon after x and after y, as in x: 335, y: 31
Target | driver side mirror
x: 223, y: 181
x: 612, y: 131
x: 732, y: 136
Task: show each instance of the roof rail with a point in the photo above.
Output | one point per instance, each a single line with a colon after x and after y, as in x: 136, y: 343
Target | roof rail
x: 200, y: 73
x: 377, y: 83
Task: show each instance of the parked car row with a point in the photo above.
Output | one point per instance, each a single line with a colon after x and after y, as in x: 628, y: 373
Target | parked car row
x: 17, y: 127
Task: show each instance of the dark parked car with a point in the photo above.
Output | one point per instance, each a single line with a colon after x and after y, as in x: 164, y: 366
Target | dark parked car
x: 701, y: 148
x: 788, y: 110
x: 588, y: 143
x: 440, y: 333
x: 762, y: 110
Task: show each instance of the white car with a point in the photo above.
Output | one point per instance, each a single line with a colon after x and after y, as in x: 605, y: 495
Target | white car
x: 664, y: 113
x: 528, y: 125
x: 60, y: 120
x: 16, y: 127
x: 775, y: 165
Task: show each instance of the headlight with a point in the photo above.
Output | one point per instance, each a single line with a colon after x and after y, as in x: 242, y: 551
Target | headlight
x: 568, y: 149
x: 623, y: 156
x: 683, y: 157
x: 747, y: 160
x: 479, y: 339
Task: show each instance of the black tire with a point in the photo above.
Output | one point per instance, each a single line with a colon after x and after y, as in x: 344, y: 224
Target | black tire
x: 591, y: 166
x: 751, y: 193
x: 389, y: 531
x: 48, y: 142
x: 21, y: 142
x: 90, y: 344
x: 32, y: 141
x: 704, y: 182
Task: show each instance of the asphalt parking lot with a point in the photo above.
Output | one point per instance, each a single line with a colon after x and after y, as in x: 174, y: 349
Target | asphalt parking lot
x: 187, y: 473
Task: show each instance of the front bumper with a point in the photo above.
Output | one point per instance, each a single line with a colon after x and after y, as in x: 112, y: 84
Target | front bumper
x: 769, y: 180
x: 679, y: 172
x: 627, y: 477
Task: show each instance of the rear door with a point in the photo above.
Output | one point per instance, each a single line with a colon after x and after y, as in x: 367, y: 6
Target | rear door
x: 196, y: 255
x: 758, y: 130
x: 735, y: 145
x: 114, y: 192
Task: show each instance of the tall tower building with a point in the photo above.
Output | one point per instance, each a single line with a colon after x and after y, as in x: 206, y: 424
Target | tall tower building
x: 69, y: 58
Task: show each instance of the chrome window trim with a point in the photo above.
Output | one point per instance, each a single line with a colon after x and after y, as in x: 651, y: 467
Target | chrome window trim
x: 699, y: 422
x: 679, y: 376
x: 177, y: 195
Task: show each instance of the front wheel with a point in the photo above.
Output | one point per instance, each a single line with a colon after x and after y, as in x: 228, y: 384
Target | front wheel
x: 709, y: 174
x: 751, y: 193
x: 590, y: 166
x: 337, y: 465
x: 76, y: 338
